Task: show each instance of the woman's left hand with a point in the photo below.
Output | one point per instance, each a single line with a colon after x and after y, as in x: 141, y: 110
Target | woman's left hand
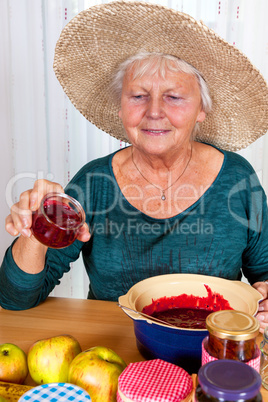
x: 262, y: 314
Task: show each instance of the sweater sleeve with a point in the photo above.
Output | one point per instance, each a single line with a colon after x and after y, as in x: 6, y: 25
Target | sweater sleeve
x: 255, y: 256
x: 21, y: 290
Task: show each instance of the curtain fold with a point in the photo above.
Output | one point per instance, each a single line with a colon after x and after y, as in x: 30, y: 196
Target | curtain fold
x: 44, y: 136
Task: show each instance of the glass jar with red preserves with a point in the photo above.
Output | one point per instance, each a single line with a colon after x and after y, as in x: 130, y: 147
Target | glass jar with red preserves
x: 232, y: 335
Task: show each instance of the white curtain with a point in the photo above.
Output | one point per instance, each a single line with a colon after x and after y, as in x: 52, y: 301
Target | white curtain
x: 43, y: 136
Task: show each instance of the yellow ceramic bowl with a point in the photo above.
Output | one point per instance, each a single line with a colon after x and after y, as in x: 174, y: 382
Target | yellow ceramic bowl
x: 181, y: 346
x: 240, y: 295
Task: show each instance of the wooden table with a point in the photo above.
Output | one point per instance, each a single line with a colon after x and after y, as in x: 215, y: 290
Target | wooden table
x: 91, y: 322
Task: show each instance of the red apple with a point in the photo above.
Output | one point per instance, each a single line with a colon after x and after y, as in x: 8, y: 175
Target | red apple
x: 97, y: 371
x: 13, y: 364
x: 49, y: 359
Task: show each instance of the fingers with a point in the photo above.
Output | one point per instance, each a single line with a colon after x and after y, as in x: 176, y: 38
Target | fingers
x: 263, y: 306
x: 262, y: 315
x: 262, y: 287
x: 20, y: 218
x: 263, y: 320
x: 10, y: 227
x: 40, y: 189
x: 14, y: 230
x: 83, y: 234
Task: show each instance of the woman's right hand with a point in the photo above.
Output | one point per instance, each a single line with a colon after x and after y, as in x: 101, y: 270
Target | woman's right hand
x: 20, y: 219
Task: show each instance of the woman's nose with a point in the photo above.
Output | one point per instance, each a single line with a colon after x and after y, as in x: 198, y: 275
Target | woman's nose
x: 155, y: 109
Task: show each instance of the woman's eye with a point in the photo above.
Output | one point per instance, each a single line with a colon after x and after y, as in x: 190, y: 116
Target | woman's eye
x: 176, y: 98
x: 138, y: 96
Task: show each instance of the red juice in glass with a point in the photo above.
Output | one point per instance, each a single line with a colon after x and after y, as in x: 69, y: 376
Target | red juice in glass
x: 56, y: 222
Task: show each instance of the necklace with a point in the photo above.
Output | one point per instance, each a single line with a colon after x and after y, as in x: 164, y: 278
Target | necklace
x: 163, y: 197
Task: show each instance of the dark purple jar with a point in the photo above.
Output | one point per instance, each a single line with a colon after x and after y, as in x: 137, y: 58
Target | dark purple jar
x: 228, y: 380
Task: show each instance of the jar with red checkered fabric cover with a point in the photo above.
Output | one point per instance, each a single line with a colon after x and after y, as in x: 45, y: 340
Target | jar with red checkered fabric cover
x: 154, y: 380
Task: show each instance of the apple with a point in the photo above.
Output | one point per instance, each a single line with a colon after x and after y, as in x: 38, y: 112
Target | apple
x: 97, y: 370
x: 13, y: 364
x: 49, y: 359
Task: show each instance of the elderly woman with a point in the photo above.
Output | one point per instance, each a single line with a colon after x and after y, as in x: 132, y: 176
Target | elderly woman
x: 165, y: 204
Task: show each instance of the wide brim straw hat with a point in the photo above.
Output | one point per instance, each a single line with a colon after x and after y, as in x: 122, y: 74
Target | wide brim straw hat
x: 94, y: 43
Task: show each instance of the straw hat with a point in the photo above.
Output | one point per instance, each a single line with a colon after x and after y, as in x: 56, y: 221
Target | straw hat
x: 97, y: 40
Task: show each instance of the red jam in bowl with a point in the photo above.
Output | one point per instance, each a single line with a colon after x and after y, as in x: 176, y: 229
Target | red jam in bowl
x: 187, y: 311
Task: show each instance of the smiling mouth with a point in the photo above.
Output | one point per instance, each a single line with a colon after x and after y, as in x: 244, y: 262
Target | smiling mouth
x: 156, y: 132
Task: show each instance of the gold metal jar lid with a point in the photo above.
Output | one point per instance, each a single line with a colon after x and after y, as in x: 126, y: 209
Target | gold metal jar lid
x: 232, y: 324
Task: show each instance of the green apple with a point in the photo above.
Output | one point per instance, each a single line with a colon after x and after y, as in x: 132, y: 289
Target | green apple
x: 13, y: 364
x: 49, y: 359
x: 97, y: 371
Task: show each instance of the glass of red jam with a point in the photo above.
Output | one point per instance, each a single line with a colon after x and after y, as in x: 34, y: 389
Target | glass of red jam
x: 232, y: 335
x: 57, y: 221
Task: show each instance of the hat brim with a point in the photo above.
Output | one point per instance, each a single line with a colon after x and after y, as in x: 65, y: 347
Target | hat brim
x: 97, y: 40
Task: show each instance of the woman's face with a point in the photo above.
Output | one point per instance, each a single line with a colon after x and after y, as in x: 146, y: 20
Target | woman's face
x: 159, y: 114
